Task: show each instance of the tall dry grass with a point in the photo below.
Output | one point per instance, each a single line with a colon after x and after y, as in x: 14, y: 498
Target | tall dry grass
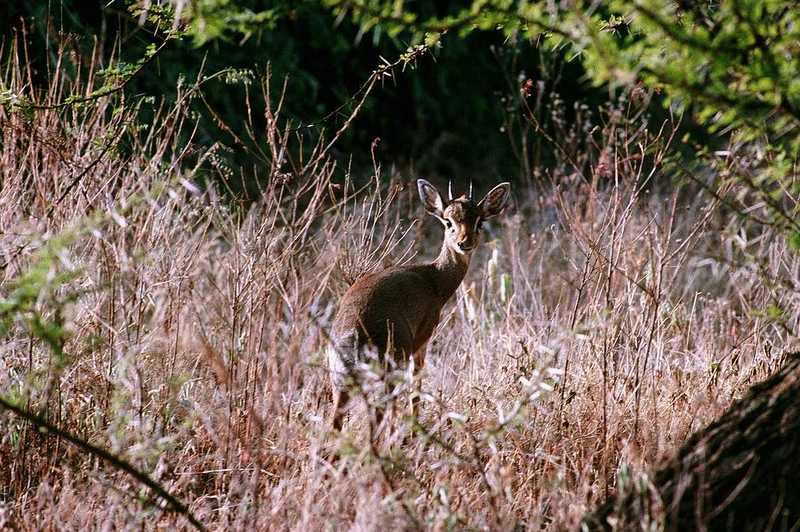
x: 603, y: 320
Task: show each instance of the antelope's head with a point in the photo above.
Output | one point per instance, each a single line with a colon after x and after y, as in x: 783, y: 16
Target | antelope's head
x: 462, y: 217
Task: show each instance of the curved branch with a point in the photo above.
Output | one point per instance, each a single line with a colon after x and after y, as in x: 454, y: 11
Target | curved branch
x: 174, y: 504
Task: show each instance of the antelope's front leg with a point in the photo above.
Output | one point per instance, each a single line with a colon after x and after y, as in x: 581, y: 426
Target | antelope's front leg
x: 418, y: 360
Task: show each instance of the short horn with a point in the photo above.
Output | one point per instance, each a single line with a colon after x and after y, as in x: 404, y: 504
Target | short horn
x: 450, y: 189
x: 470, y: 189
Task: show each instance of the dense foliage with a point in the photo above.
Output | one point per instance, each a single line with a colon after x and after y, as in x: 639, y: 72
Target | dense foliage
x: 450, y: 113
x: 731, y: 68
x: 732, y: 65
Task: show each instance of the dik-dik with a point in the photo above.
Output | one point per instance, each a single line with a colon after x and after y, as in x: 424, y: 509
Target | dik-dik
x: 395, y: 311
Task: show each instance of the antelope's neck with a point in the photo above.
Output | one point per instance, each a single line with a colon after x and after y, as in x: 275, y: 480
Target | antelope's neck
x: 450, y: 268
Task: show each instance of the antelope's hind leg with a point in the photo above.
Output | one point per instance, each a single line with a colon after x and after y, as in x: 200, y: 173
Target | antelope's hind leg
x: 340, y: 373
x: 340, y: 399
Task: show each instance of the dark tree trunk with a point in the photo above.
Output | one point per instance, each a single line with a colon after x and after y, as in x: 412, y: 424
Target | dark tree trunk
x: 741, y: 472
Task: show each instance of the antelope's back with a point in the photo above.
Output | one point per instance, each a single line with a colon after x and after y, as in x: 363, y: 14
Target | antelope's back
x: 383, y: 308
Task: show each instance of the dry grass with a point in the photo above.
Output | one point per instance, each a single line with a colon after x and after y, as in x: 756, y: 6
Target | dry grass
x: 602, y: 322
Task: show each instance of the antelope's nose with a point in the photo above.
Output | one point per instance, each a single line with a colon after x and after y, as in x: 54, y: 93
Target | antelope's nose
x: 466, y: 245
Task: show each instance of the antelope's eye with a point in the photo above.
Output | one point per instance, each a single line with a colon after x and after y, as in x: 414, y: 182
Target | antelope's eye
x: 447, y: 223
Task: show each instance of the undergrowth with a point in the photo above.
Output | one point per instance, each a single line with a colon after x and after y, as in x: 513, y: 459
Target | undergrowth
x: 609, y: 313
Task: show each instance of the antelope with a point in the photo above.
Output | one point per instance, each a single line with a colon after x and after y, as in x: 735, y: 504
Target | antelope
x: 395, y: 311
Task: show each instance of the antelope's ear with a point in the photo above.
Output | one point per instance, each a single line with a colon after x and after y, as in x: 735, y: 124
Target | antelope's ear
x: 495, y: 200
x: 431, y: 198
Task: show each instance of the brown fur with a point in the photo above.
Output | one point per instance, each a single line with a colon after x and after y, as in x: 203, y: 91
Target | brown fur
x: 395, y: 311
